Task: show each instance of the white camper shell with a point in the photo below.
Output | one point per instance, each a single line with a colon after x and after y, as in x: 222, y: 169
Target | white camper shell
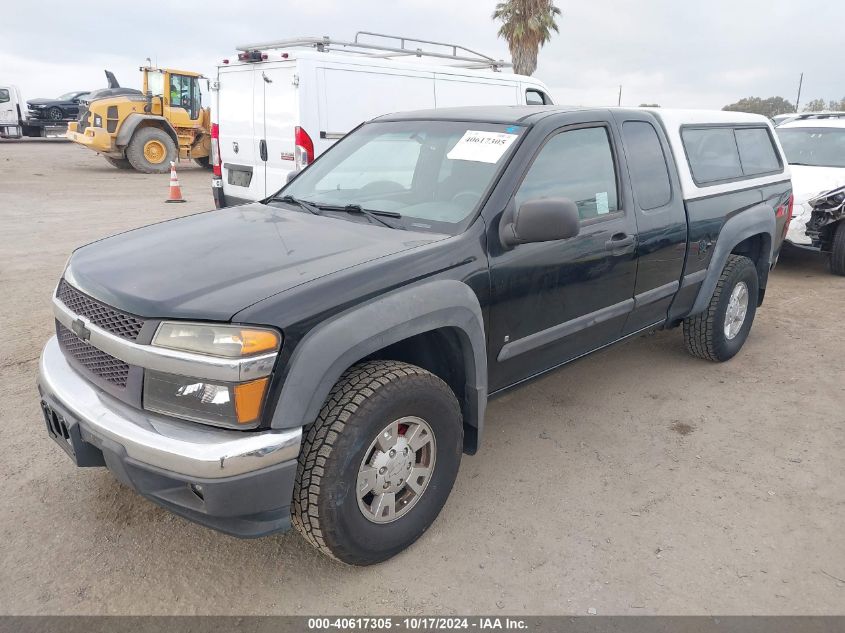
x: 280, y: 105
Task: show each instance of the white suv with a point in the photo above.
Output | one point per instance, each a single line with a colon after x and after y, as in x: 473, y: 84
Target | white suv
x: 815, y: 149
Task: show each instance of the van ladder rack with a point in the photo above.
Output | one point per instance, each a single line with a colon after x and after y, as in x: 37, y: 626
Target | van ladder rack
x: 468, y: 57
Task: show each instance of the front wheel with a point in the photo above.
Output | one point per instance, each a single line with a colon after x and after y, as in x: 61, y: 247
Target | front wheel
x: 720, y: 331
x: 55, y: 114
x: 204, y: 162
x: 151, y: 150
x: 837, y: 253
x: 377, y: 465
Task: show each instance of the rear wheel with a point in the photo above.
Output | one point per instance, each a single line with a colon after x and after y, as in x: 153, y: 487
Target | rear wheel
x: 120, y: 163
x: 720, y: 331
x: 379, y: 462
x: 837, y: 253
x: 151, y: 150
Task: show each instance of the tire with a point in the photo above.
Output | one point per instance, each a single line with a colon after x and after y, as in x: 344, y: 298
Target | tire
x: 204, y: 162
x: 120, y: 163
x: 160, y: 150
x: 369, y: 397
x: 705, y: 333
x: 837, y: 253
x: 55, y: 114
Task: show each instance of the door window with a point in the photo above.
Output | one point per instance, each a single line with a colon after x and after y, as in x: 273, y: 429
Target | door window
x: 578, y: 165
x: 185, y: 93
x: 535, y: 97
x: 649, y: 174
x: 4, y: 95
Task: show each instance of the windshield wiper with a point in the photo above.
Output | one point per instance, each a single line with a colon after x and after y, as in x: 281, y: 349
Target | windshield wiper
x: 372, y: 214
x: 300, y: 203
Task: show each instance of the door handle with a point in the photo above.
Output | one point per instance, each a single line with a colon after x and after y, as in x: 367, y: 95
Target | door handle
x: 262, y: 149
x: 619, y: 240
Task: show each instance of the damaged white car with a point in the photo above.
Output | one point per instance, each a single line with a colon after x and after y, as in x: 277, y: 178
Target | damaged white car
x: 815, y: 149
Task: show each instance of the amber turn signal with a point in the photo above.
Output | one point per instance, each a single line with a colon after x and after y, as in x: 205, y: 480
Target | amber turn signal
x: 255, y: 341
x: 249, y: 397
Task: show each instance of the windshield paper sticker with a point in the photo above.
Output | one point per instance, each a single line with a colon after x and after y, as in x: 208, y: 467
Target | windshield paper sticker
x: 482, y: 147
x: 602, y: 205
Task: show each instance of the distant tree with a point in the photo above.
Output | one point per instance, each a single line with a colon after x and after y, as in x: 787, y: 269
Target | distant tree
x: 526, y: 25
x: 767, y: 107
x: 836, y: 105
x: 816, y: 105
x: 649, y: 105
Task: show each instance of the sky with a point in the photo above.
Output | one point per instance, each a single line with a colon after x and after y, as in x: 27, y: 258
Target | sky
x: 670, y: 52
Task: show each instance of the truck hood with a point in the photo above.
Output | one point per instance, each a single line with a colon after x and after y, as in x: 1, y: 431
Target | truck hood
x: 808, y: 182
x: 212, y: 265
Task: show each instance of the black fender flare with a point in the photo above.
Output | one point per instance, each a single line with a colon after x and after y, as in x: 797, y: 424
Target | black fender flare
x: 758, y: 220
x: 333, y: 346
x: 131, y: 123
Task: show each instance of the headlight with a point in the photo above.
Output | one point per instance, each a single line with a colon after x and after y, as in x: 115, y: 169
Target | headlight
x: 229, y: 341
x: 98, y: 120
x: 235, y: 405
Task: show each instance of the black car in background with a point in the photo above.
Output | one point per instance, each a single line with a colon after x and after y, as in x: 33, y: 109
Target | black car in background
x: 65, y: 106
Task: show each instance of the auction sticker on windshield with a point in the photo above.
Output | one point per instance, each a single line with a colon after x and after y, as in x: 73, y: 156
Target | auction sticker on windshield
x: 482, y: 147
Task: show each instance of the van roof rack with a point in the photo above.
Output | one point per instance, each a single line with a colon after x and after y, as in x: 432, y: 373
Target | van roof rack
x: 389, y: 46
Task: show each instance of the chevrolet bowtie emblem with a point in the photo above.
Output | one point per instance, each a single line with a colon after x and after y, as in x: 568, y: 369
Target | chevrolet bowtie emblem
x: 78, y: 327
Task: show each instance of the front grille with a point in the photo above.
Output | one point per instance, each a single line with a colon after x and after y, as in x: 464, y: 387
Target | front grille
x: 105, y: 366
x: 101, y: 315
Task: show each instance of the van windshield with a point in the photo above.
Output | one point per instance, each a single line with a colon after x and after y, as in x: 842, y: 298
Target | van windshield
x: 814, y: 146
x: 433, y: 174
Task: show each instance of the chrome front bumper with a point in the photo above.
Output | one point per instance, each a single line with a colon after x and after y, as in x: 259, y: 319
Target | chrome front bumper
x: 184, y: 448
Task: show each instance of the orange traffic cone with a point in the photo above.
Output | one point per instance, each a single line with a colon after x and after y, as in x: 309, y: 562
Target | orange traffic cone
x: 175, y: 189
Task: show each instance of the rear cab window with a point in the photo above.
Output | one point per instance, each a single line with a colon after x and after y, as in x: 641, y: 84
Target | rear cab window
x: 648, y: 168
x: 724, y: 153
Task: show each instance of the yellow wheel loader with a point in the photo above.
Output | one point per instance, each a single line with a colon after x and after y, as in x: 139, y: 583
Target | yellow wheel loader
x: 147, y: 130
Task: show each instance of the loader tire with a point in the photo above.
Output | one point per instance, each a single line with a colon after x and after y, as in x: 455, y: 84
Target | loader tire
x: 204, y: 162
x: 837, y: 253
x: 120, y: 163
x: 720, y: 331
x: 151, y: 151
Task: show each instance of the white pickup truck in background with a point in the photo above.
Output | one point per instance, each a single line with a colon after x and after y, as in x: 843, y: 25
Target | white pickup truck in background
x: 281, y: 104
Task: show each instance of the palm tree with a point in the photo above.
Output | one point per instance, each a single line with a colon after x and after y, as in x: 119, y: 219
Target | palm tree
x: 526, y: 25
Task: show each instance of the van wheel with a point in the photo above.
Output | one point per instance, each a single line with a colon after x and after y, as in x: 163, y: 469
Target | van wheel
x: 151, y: 150
x: 720, y: 331
x: 379, y: 462
x: 120, y: 163
x: 837, y: 253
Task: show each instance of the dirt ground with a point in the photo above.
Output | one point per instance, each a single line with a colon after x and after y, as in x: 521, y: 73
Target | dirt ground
x: 636, y: 481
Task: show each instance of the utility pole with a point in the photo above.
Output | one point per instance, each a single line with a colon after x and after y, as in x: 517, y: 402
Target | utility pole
x: 798, y: 100
x: 619, y: 100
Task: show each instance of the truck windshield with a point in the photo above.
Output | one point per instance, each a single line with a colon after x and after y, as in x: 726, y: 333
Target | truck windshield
x: 814, y: 146
x: 433, y: 174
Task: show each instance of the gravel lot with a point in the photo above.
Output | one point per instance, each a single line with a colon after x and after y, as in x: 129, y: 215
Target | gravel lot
x: 638, y: 481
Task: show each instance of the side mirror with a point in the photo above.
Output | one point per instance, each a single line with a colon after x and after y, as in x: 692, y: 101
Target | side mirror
x: 541, y: 220
x: 291, y: 175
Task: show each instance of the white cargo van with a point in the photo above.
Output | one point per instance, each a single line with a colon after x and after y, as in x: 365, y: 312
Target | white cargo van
x: 10, y: 111
x: 281, y: 104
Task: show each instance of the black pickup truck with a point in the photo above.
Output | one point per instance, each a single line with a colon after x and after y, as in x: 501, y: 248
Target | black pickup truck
x: 324, y: 357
